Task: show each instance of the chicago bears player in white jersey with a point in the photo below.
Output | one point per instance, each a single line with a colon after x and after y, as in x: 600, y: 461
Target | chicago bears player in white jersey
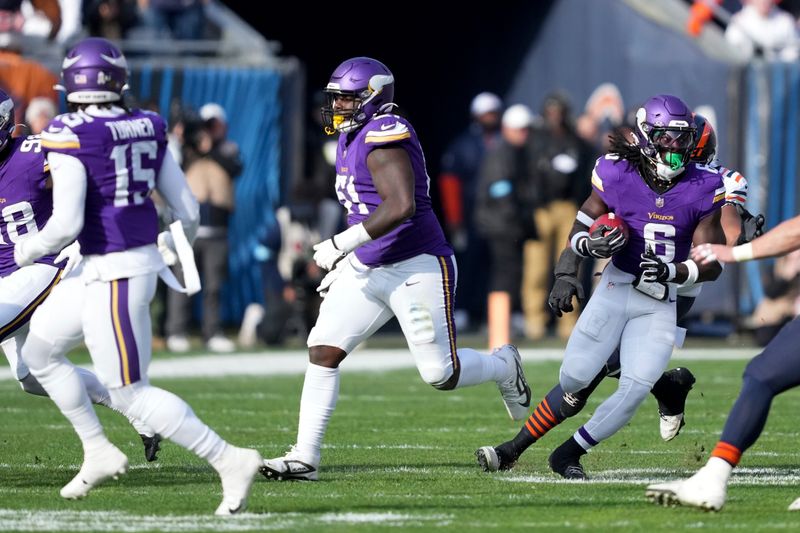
x: 668, y: 203
x: 393, y: 260
x: 27, y: 198
x: 673, y: 386
x: 105, y: 161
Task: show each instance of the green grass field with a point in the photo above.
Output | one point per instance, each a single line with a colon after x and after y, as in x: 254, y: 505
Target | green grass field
x: 398, y: 455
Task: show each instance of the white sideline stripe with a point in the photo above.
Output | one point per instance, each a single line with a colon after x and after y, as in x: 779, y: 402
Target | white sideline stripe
x: 23, y: 520
x: 646, y: 476
x: 288, y: 362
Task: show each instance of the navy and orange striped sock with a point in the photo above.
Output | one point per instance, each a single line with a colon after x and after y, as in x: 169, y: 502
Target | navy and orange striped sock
x: 727, y: 452
x: 540, y: 422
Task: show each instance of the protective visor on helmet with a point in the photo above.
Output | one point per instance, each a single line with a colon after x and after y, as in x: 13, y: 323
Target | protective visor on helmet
x: 674, y: 145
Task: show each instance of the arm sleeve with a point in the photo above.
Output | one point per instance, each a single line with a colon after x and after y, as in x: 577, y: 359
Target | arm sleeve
x: 173, y: 187
x: 66, y: 222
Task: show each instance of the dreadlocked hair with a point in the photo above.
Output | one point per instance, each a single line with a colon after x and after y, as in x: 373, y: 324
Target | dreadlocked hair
x: 628, y: 151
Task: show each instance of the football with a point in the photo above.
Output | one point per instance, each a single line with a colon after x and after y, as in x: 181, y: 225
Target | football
x: 611, y: 220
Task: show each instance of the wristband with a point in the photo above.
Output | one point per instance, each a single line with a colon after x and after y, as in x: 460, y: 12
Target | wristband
x: 694, y: 273
x: 671, y: 271
x: 743, y: 252
x: 351, y: 238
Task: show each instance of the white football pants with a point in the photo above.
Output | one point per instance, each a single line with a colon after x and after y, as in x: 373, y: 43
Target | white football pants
x: 22, y: 292
x: 419, y: 291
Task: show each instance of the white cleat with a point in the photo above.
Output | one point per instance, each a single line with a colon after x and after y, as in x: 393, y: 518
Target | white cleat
x: 663, y: 493
x: 670, y: 426
x: 107, y: 463
x: 795, y: 505
x: 236, y: 469
x: 705, y: 490
x: 293, y: 466
x: 515, y: 390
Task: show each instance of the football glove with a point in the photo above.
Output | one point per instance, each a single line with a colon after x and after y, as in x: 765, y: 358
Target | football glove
x: 166, y: 247
x: 329, y: 278
x: 327, y: 255
x: 752, y: 226
x: 601, y: 246
x: 564, y: 289
x: 654, y: 269
x: 329, y: 252
x: 72, y: 255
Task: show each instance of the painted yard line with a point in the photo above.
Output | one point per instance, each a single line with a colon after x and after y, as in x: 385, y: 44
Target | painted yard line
x: 292, y: 362
x: 644, y: 476
x: 16, y: 520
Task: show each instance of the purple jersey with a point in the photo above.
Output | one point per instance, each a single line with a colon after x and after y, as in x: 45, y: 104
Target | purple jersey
x: 420, y: 234
x: 25, y: 200
x: 122, y: 155
x: 665, y: 222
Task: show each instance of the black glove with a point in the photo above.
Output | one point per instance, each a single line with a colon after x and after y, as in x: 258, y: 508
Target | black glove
x: 601, y: 246
x: 654, y: 269
x: 566, y: 284
x: 752, y: 226
x: 564, y: 288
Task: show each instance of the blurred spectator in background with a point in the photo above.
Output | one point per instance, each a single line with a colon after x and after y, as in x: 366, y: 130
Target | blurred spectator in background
x: 458, y: 183
x: 178, y: 19
x: 504, y: 217
x: 209, y: 160
x: 23, y: 79
x: 562, y: 162
x: 223, y: 150
x: 761, y: 29
x: 781, y: 302
x: 34, y: 17
x: 112, y: 19
x: 39, y: 113
x: 59, y: 20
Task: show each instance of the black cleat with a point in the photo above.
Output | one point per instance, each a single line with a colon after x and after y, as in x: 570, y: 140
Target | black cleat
x: 565, y: 460
x: 672, y: 397
x: 493, y: 459
x: 151, y: 446
x: 672, y: 390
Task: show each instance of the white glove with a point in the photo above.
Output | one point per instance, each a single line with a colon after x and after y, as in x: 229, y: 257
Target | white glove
x: 330, y: 277
x: 328, y: 253
x: 166, y: 247
x: 72, y: 254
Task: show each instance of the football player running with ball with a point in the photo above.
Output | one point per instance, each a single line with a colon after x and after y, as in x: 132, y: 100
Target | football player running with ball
x: 667, y: 203
x: 392, y: 261
x: 673, y: 386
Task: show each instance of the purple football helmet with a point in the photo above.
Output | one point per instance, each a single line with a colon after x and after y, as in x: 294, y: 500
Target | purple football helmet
x: 705, y: 148
x: 94, y: 71
x: 368, y: 82
x: 7, y: 122
x: 665, y: 132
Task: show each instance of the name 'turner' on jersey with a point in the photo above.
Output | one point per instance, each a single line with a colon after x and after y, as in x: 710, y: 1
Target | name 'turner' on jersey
x: 127, y: 129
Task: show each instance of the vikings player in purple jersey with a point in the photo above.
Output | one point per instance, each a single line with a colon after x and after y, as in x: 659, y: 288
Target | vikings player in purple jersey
x: 673, y: 386
x: 668, y: 203
x: 27, y: 198
x: 105, y: 161
x: 392, y: 261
